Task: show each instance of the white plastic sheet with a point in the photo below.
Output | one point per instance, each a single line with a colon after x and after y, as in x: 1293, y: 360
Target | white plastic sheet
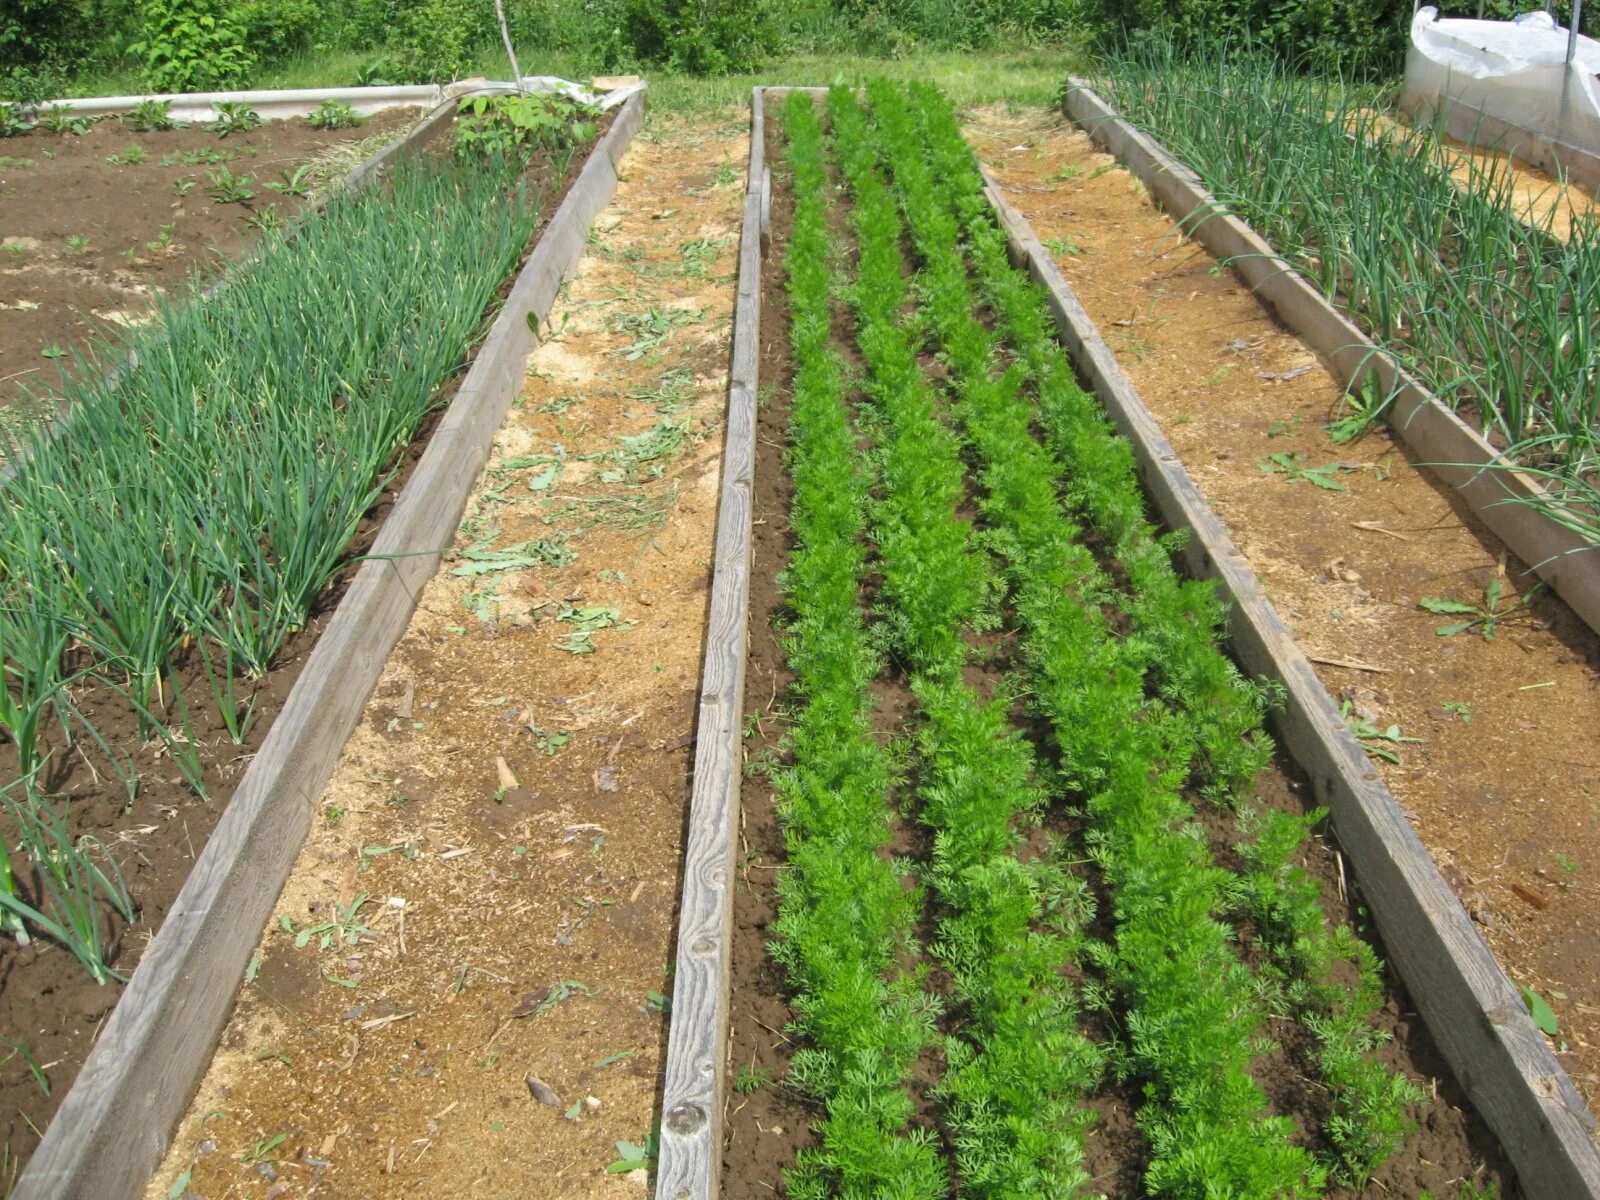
x: 1484, y: 75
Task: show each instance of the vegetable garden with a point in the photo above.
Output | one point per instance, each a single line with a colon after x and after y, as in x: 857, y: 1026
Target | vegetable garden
x: 1026, y: 852
x: 152, y: 201
x: 175, y: 542
x: 1477, y: 295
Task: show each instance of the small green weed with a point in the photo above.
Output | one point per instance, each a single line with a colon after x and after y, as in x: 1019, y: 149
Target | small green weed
x: 1485, y: 617
x: 1288, y: 465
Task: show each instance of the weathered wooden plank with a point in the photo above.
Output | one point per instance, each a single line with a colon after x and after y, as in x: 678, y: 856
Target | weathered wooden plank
x: 689, y: 1166
x: 1451, y: 449
x: 1471, y: 1007
x: 115, y: 1123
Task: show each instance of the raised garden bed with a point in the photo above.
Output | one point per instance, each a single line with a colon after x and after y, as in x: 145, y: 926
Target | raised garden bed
x: 260, y: 748
x: 1543, y: 514
x: 102, y: 219
x: 949, y: 725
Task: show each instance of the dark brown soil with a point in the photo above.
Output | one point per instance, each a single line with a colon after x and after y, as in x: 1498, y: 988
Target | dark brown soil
x: 767, y: 1124
x: 56, y: 187
x: 49, y: 1005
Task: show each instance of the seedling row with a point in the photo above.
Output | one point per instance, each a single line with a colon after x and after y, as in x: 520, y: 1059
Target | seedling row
x: 1025, y: 868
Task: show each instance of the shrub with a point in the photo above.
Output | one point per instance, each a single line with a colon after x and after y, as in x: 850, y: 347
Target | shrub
x: 702, y: 37
x: 433, y: 40
x: 187, y: 46
x: 1366, y: 37
x: 34, y: 32
x: 275, y: 29
x: 27, y: 88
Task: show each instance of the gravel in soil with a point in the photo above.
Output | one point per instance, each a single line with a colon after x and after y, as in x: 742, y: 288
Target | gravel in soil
x: 504, y: 828
x: 86, y: 245
x: 767, y: 1124
x: 1503, y: 786
x: 49, y: 1005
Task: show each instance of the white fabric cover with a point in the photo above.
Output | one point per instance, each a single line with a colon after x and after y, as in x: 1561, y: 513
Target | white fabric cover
x: 1515, y: 71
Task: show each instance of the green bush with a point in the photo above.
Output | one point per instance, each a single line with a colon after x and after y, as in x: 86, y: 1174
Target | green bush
x: 50, y: 32
x: 433, y: 40
x: 1365, y: 38
x: 1362, y: 36
x: 28, y: 88
x: 956, y: 24
x: 189, y: 46
x: 275, y: 29
x: 701, y: 37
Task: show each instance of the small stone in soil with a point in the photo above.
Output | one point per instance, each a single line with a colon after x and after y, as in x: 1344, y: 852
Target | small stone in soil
x: 542, y: 1091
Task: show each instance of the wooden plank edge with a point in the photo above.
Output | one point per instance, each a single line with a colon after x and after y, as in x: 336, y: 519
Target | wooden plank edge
x: 1472, y: 1009
x: 1448, y: 446
x: 689, y: 1163
x: 359, y: 177
x: 115, y: 1124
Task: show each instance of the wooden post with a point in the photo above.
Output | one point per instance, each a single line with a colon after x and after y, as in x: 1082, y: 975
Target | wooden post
x: 689, y: 1166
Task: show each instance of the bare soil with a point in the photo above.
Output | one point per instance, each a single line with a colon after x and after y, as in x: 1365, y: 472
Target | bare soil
x: 140, y: 238
x: 1504, y: 784
x: 50, y: 1008
x: 509, y: 814
x: 767, y: 1124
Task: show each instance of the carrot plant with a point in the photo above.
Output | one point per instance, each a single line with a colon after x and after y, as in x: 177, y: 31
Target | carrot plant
x: 1182, y: 621
x: 845, y: 920
x: 1192, y: 1020
x: 1019, y: 1067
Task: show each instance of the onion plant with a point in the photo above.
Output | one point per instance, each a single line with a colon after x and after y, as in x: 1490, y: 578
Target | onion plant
x: 203, y: 497
x: 1463, y: 282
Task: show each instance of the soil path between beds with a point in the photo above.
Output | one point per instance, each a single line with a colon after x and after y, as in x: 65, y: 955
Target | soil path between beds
x: 495, y: 862
x: 1504, y: 784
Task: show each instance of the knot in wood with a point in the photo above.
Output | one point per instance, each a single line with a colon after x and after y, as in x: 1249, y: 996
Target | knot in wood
x: 686, y: 1119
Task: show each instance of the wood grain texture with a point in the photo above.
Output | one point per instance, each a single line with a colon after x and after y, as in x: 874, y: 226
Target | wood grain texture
x: 1471, y: 1007
x: 115, y: 1123
x: 1449, y: 447
x: 689, y: 1166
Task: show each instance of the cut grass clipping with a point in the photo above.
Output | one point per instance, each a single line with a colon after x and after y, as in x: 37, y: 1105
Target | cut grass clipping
x: 1120, y: 663
x: 193, y: 507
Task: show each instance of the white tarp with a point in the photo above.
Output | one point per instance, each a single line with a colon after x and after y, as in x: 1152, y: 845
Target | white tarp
x: 1484, y: 73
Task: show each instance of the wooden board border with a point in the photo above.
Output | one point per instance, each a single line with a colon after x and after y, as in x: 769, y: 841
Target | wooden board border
x: 1472, y: 1009
x: 1449, y: 447
x: 689, y: 1161
x: 115, y: 1124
